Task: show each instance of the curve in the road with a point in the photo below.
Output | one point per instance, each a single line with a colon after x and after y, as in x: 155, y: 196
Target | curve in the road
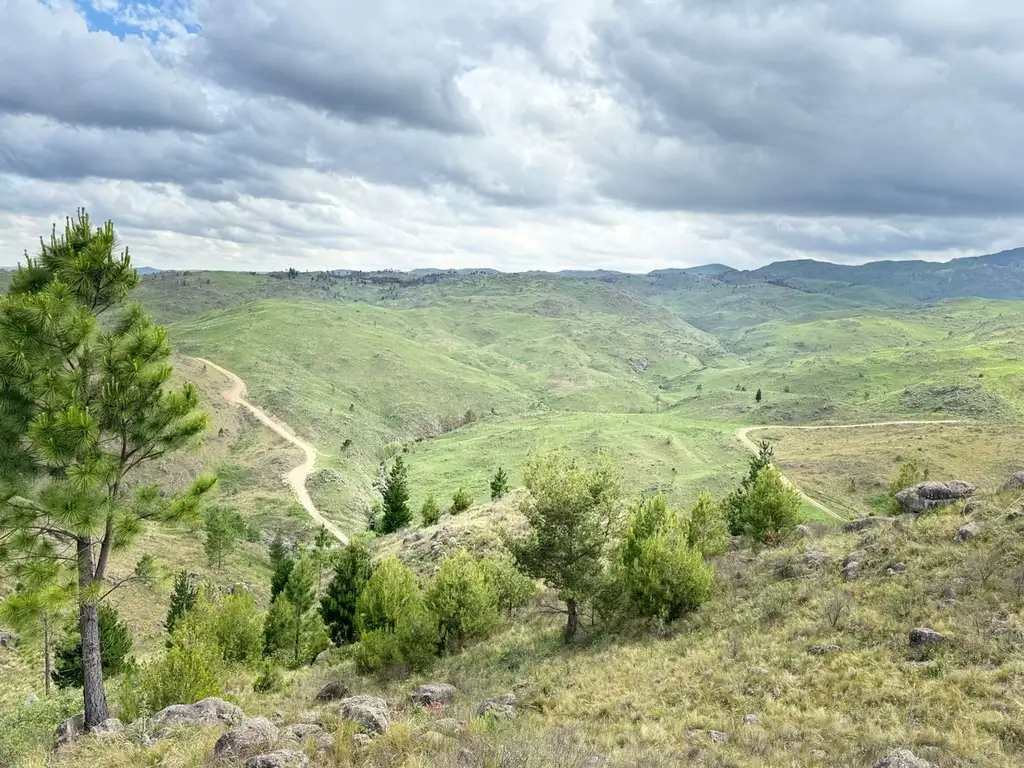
x: 743, y: 434
x: 296, y: 478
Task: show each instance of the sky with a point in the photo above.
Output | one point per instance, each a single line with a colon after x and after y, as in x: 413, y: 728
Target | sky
x: 515, y: 134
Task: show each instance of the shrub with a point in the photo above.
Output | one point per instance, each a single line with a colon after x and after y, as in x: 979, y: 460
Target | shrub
x: 190, y: 670
x: 183, y: 597
x: 395, y: 628
x: 390, y: 592
x: 499, y: 485
x: 231, y: 622
x: 735, y: 501
x: 463, y: 601
x: 771, y: 509
x: 708, y: 531
x: 512, y: 587
x: 269, y: 679
x: 115, y: 645
x: 24, y: 726
x: 909, y: 475
x: 430, y: 512
x: 461, y: 501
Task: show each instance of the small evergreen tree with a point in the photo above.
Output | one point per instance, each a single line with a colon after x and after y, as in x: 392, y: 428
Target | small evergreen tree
x: 277, y: 550
x: 735, y: 501
x: 430, y: 512
x: 463, y: 601
x: 395, y: 628
x: 396, y: 513
x: 321, y: 553
x: 282, y: 572
x: 499, y: 485
x: 461, y: 501
x: 183, y: 598
x: 338, y: 604
x: 223, y: 528
x: 708, y: 531
x: 757, y: 396
x: 231, y: 621
x: 572, y: 511
x: 115, y: 645
x: 771, y: 509
x: 512, y: 587
x: 300, y: 592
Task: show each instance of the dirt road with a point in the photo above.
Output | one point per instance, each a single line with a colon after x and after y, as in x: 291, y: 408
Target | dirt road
x: 743, y: 435
x: 297, y: 477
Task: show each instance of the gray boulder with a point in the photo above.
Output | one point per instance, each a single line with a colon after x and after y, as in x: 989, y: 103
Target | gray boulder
x: 310, y: 732
x: 433, y: 694
x: 1015, y: 482
x: 718, y: 737
x: 923, y: 636
x: 751, y: 720
x: 851, y: 571
x: 282, y: 758
x: 902, y: 758
x: 802, y: 531
x: 70, y: 730
x: 369, y: 712
x: 333, y: 691
x: 503, y: 707
x: 966, y: 532
x: 857, y: 556
x: 255, y: 735
x: 823, y: 650
x: 973, y: 507
x: 8, y: 639
x: 928, y: 495
x: 814, y: 559
x: 109, y: 729
x: 864, y: 523
x: 209, y: 711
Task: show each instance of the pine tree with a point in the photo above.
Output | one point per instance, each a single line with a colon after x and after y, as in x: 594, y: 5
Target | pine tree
x: 499, y: 485
x: 85, y: 400
x: 223, y: 529
x: 115, y: 645
x: 183, y: 598
x: 283, y: 572
x: 757, y: 397
x: 277, y: 551
x: 735, y: 502
x: 321, y: 552
x: 35, y: 608
x: 396, y: 499
x: 338, y: 603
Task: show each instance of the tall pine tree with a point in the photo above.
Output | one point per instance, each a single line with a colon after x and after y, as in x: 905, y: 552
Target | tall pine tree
x: 396, y: 499
x: 338, y: 603
x: 84, y: 401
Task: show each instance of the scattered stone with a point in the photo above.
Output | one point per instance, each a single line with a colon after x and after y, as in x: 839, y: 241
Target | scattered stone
x: 867, y: 540
x: 303, y: 732
x: 282, y: 758
x: 333, y: 691
x: 815, y: 559
x: 966, y: 532
x: 973, y: 507
x: 1015, y: 482
x: 928, y: 495
x: 209, y: 711
x: 369, y: 712
x: 8, y: 639
x: 922, y: 636
x: 751, y: 720
x: 108, y: 729
x: 449, y: 726
x: 433, y: 694
x: 895, y: 568
x: 902, y: 758
x: 759, y: 671
x: 718, y: 737
x: 851, y: 571
x: 857, y: 556
x: 1017, y: 514
x: 823, y: 650
x: 866, y: 522
x: 254, y: 735
x: 322, y: 658
x: 360, y: 740
x: 802, y: 531
x: 70, y: 730
x: 503, y: 707
x: 310, y: 717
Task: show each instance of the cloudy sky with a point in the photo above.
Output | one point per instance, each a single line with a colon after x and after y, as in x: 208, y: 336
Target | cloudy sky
x: 618, y: 134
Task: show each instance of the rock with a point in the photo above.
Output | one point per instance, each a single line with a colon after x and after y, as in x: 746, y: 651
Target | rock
x: 857, y: 556
x: 928, y: 495
x: 922, y: 636
x: 815, y: 559
x: 449, y: 726
x: 209, y: 711
x: 866, y: 522
x: 322, y: 658
x: 902, y: 758
x: 8, y: 639
x: 360, y: 740
x: 895, y: 568
x: 1017, y: 514
x: 70, y: 730
x: 851, y: 571
x: 973, y: 507
x: 802, y: 531
x: 333, y: 691
x: 823, y: 650
x: 1014, y: 483
x: 433, y: 694
x: 867, y: 540
x: 255, y: 735
x: 966, y: 532
x: 282, y: 758
x: 718, y: 737
x: 303, y: 732
x: 369, y: 712
x: 503, y: 707
x: 751, y: 720
x: 758, y: 671
x: 108, y: 729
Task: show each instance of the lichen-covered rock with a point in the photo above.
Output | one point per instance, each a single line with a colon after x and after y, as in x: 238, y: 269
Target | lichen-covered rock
x: 110, y: 728
x: 433, y: 694
x: 256, y: 734
x: 823, y: 650
x: 503, y: 707
x: 864, y: 523
x: 369, y: 712
x: 902, y: 758
x: 928, y: 495
x: 333, y: 691
x: 751, y: 720
x: 922, y: 636
x: 966, y: 532
x: 1015, y: 482
x: 851, y: 571
x: 70, y: 730
x: 282, y: 758
x: 718, y: 737
x: 310, y: 732
x: 209, y: 711
x: 8, y: 639
x: 857, y: 556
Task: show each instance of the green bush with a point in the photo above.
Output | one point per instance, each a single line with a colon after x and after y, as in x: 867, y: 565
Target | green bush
x: 28, y: 727
x: 191, y: 669
x: 232, y: 622
x: 390, y: 593
x: 512, y: 587
x: 463, y: 601
x: 708, y: 531
x: 461, y: 501
x: 771, y: 508
x: 395, y: 628
x: 115, y: 645
x: 430, y: 512
x: 269, y: 679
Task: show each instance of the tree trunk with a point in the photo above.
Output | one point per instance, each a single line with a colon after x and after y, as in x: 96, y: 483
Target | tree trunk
x: 572, y: 622
x: 92, y: 665
x: 46, y: 654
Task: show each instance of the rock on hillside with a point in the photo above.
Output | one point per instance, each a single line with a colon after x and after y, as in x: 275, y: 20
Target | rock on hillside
x: 931, y: 494
x: 209, y: 711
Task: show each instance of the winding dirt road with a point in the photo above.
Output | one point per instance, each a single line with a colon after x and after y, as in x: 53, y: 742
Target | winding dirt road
x: 297, y: 477
x: 743, y: 435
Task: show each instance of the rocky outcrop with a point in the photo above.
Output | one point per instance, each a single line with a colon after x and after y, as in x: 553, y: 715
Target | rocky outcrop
x: 864, y: 523
x: 368, y: 712
x: 209, y: 711
x: 282, y: 758
x: 502, y: 708
x: 851, y: 571
x: 433, y: 694
x: 928, y: 495
x: 924, y: 636
x: 255, y: 735
x: 902, y: 758
x: 333, y: 691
